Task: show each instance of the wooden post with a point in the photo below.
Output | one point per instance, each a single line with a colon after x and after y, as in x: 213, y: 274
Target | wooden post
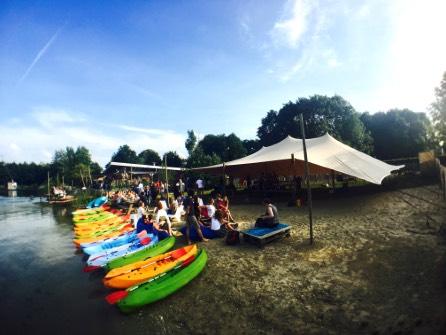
x: 307, y: 180
x: 294, y: 196
x: 89, y: 174
x: 167, y: 181
x: 49, y: 185
x: 82, y: 177
x: 224, y: 178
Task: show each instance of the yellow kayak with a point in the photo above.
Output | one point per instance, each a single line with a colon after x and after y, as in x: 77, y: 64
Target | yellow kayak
x: 99, y: 226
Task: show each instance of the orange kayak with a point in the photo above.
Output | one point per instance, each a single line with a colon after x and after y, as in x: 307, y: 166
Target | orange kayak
x: 139, y: 272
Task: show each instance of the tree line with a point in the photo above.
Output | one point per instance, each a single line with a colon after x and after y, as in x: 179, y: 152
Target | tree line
x: 396, y: 133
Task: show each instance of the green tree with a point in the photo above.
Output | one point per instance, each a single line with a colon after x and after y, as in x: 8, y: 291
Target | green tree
x: 438, y: 111
x: 191, y: 141
x: 198, y: 158
x: 173, y: 159
x: 322, y: 114
x: 95, y: 170
x: 67, y: 163
x: 227, y: 148
x: 149, y: 157
x: 397, y: 133
x: 125, y: 155
x: 234, y: 148
x: 251, y: 146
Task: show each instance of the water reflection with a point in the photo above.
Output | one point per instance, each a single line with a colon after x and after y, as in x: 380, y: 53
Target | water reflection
x: 12, y: 193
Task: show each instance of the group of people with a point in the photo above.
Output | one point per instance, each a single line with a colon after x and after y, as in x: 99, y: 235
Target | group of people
x: 58, y: 192
x: 212, y: 220
x: 154, y: 212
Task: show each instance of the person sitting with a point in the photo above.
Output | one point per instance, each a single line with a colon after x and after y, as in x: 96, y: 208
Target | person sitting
x: 162, y: 213
x: 141, y: 210
x: 223, y: 205
x: 207, y: 211
x: 271, y: 217
x: 173, y: 205
x: 58, y: 193
x: 151, y: 227
x: 219, y: 225
x: 191, y: 214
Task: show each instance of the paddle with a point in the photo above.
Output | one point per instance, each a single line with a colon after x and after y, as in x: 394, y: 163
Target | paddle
x: 174, y: 254
x: 117, y: 296
x: 91, y: 268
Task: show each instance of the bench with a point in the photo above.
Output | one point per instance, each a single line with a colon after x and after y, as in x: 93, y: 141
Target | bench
x: 261, y: 235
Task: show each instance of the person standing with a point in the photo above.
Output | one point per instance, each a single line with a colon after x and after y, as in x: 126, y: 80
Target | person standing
x: 200, y: 186
x: 181, y: 186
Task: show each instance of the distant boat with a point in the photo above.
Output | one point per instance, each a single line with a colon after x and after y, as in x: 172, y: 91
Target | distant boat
x: 12, y: 186
x: 66, y: 199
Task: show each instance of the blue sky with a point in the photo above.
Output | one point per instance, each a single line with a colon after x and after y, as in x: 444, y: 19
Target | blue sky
x: 106, y: 73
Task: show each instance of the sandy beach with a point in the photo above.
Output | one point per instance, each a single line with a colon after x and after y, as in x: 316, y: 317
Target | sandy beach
x: 377, y: 267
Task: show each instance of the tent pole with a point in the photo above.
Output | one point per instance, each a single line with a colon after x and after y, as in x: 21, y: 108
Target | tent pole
x: 167, y: 181
x: 224, y: 179
x: 307, y: 180
x: 294, y: 196
x: 333, y: 180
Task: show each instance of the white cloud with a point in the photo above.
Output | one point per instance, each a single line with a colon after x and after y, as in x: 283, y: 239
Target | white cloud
x: 45, y: 130
x: 293, y: 24
x: 415, y: 58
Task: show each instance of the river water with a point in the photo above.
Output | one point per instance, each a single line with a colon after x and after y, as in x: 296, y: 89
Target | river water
x: 44, y: 290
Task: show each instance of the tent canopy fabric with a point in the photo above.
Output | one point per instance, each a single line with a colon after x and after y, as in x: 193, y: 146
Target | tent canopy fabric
x: 324, y: 155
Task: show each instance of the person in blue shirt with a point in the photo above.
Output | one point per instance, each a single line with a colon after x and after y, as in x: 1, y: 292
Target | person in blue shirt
x: 151, y: 227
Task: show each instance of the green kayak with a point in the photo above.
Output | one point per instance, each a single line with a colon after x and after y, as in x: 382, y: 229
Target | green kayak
x: 163, y: 285
x: 92, y: 219
x: 159, y: 248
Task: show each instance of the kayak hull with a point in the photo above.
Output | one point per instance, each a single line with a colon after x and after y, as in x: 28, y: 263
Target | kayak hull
x: 142, y: 271
x: 159, y: 248
x: 162, y: 286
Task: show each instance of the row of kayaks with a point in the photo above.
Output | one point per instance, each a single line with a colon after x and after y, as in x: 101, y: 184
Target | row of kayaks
x: 142, y: 268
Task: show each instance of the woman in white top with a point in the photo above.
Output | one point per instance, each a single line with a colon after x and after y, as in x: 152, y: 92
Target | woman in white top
x: 141, y: 210
x: 162, y: 213
x: 219, y: 225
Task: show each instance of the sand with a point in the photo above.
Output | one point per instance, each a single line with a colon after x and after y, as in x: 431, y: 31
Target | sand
x: 377, y: 267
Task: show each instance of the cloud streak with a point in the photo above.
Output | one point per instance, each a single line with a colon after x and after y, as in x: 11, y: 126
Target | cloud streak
x: 40, y: 54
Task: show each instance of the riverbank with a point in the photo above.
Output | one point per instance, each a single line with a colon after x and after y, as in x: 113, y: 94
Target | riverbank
x: 376, y: 267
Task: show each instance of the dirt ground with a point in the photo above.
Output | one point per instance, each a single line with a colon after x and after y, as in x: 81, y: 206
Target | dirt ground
x: 377, y: 267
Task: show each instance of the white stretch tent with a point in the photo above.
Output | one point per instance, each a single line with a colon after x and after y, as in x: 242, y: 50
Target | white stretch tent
x: 324, y: 155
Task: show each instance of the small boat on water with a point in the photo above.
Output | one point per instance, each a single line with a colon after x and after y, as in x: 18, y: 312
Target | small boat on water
x: 64, y: 200
x: 12, y: 185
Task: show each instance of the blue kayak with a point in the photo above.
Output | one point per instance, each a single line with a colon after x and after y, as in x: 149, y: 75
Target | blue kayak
x: 101, y: 259
x: 96, y: 247
x: 100, y: 201
x: 90, y: 204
